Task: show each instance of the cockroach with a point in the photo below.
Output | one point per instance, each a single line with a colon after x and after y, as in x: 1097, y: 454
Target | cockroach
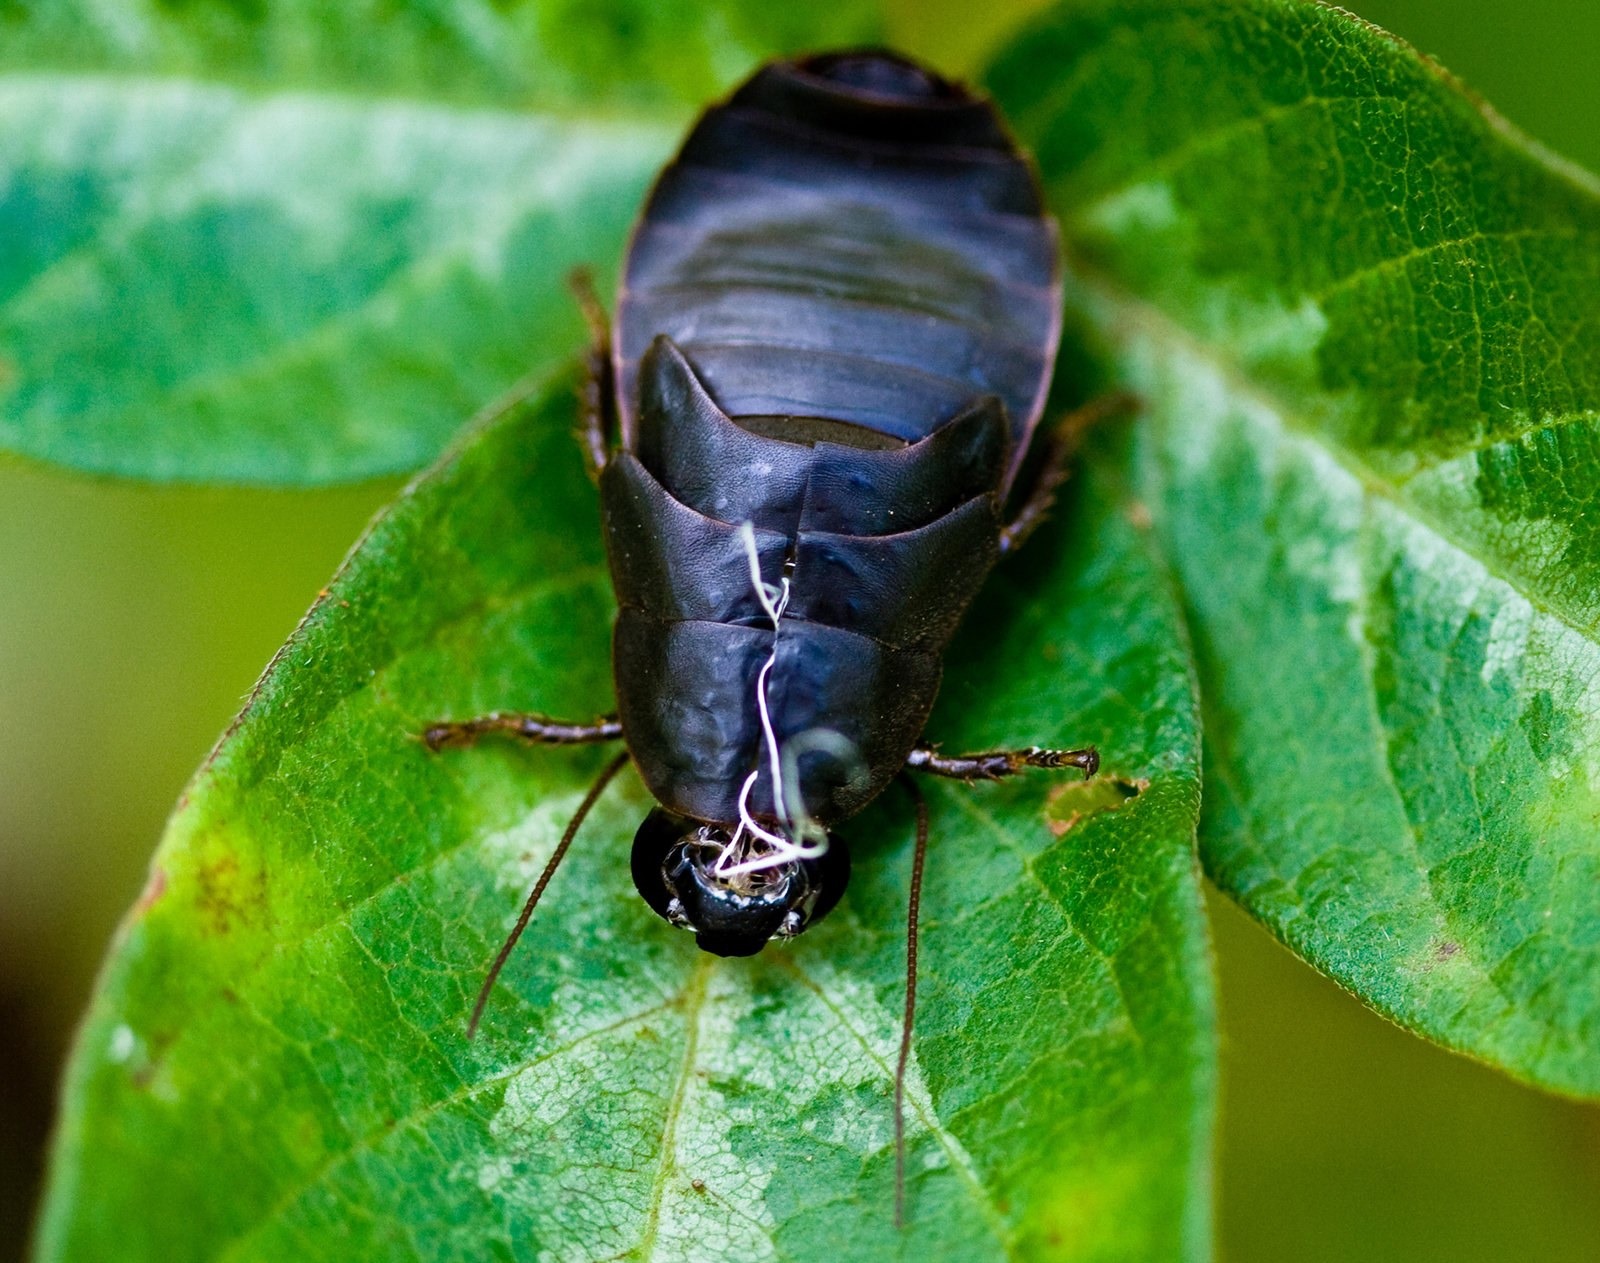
x: 833, y: 340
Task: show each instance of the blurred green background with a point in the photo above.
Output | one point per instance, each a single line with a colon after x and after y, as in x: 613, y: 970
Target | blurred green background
x: 133, y: 620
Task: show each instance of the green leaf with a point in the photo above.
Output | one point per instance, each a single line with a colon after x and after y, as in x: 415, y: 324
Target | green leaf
x: 521, y: 54
x: 214, y: 286
x: 276, y: 1066
x: 1364, y: 313
x: 291, y: 244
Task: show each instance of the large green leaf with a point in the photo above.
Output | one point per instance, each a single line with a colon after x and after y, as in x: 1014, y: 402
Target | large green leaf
x: 286, y: 243
x: 276, y: 1066
x: 205, y: 284
x: 1366, y: 316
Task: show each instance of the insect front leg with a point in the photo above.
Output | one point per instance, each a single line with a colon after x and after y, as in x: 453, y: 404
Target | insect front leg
x: 535, y: 729
x: 1065, y: 439
x: 992, y: 765
x: 598, y: 397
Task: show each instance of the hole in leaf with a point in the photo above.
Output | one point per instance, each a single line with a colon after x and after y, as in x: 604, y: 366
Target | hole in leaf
x: 1072, y: 802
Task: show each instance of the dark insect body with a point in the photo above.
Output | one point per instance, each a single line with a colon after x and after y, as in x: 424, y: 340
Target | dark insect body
x: 833, y: 340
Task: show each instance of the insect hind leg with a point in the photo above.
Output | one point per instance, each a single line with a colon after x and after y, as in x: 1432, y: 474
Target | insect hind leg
x: 534, y: 729
x: 598, y: 396
x: 994, y: 765
x: 1066, y: 437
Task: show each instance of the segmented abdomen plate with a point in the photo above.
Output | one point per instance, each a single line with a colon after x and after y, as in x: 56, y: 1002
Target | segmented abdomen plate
x: 848, y: 238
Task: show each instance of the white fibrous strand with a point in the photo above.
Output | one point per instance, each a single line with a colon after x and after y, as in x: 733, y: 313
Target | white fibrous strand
x: 806, y: 839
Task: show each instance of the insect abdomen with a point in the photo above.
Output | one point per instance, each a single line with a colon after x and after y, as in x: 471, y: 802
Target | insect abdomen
x: 849, y: 238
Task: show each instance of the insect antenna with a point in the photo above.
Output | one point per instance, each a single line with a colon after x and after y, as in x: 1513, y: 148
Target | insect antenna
x: 606, y: 773
x: 913, y: 905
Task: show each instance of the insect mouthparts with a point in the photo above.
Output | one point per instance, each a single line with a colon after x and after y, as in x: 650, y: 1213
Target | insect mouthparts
x: 737, y: 911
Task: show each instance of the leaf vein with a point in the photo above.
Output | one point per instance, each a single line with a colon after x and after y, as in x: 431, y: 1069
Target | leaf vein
x: 463, y: 1092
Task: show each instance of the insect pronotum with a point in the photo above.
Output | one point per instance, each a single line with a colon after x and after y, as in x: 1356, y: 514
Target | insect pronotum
x: 833, y: 339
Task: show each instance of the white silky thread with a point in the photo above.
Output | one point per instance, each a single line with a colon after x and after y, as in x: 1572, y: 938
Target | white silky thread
x: 842, y: 748
x: 783, y: 850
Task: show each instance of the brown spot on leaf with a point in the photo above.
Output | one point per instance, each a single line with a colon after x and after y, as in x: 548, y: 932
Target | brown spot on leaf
x: 1139, y: 515
x: 226, y: 896
x: 143, y: 1073
x: 1072, y: 801
x: 1445, y: 949
x: 698, y: 1185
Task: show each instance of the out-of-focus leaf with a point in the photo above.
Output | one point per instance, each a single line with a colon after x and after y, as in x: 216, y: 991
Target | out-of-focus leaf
x: 290, y: 244
x: 634, y: 55
x: 276, y: 1065
x: 1366, y: 317
x: 205, y: 285
x: 957, y: 37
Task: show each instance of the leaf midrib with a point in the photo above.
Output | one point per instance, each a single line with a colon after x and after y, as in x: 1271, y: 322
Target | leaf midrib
x: 694, y: 1009
x: 602, y: 112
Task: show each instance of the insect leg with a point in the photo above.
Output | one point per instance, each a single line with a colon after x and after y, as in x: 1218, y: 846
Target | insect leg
x: 1065, y: 438
x: 913, y: 908
x: 537, y: 729
x: 994, y: 764
x: 589, y: 800
x: 597, y: 399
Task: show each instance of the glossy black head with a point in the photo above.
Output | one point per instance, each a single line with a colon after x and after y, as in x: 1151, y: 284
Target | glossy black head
x: 674, y: 868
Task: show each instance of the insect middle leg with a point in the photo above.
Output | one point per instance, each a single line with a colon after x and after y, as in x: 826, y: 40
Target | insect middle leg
x: 992, y: 765
x: 1065, y: 438
x: 597, y: 399
x: 535, y: 729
